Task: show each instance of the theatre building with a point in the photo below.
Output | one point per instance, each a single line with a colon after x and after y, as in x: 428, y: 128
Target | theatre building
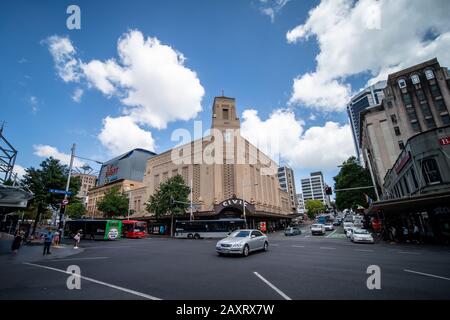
x: 225, y: 171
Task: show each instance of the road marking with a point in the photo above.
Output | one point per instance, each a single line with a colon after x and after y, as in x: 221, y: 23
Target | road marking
x: 281, y: 293
x: 406, y: 252
x: 327, y: 248
x: 364, y: 250
x: 307, y: 236
x: 274, y: 245
x: 426, y: 274
x: 93, y: 258
x: 298, y: 246
x: 331, y: 233
x: 137, y: 293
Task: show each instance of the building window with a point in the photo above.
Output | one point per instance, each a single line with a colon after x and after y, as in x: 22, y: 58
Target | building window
x: 440, y: 105
x: 426, y: 110
x: 415, y: 79
x: 415, y: 126
x: 225, y: 114
x: 401, y: 145
x: 420, y: 95
x: 430, y: 171
x: 435, y: 92
x: 411, y: 113
x: 430, y: 122
x: 445, y: 119
x: 394, y: 118
x: 402, y: 83
x: 429, y: 74
x: 397, y: 131
x: 389, y: 104
x: 407, y: 98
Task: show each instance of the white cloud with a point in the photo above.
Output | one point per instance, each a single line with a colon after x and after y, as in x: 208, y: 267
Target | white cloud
x: 272, y: 7
x: 63, y: 53
x: 77, y: 94
x: 122, y: 134
x: 312, y: 117
x: 34, y: 102
x: 367, y: 36
x: 19, y: 170
x: 318, y: 148
x: 46, y: 151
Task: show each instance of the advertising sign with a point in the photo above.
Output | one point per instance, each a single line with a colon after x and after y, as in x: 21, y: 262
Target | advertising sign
x: 262, y: 226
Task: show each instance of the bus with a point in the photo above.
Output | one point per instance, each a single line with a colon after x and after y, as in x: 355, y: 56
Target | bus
x: 134, y: 229
x: 196, y: 229
x: 94, y: 229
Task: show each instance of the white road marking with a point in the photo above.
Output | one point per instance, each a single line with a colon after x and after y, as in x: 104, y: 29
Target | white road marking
x: 274, y: 245
x: 308, y: 236
x: 406, y: 252
x: 331, y: 233
x: 298, y: 246
x: 327, y: 248
x: 281, y: 293
x: 93, y: 258
x: 427, y: 274
x: 137, y: 293
x: 364, y: 250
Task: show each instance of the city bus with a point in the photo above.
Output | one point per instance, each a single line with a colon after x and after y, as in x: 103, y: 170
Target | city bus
x: 196, y: 229
x: 134, y: 229
x: 94, y: 229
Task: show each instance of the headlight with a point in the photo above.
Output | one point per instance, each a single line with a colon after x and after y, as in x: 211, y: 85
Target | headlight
x: 237, y: 245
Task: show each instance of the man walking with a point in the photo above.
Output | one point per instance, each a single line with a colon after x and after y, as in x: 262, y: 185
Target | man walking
x: 48, y: 242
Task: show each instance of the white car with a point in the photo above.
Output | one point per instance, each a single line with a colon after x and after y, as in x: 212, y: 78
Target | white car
x: 329, y: 227
x: 348, y: 225
x: 318, y: 228
x: 362, y: 236
x: 349, y: 232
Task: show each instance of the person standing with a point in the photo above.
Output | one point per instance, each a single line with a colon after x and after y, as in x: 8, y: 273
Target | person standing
x: 16, y: 242
x: 56, y: 238
x: 77, y: 239
x: 48, y: 242
x: 416, y: 233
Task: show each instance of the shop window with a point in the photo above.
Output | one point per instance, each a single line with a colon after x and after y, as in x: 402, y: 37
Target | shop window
x: 430, y: 171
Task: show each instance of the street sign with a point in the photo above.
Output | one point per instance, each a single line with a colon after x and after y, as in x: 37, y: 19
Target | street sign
x: 65, y: 202
x: 60, y: 191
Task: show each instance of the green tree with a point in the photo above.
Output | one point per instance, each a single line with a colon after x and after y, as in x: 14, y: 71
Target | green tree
x: 51, y: 175
x: 352, y: 175
x: 314, y: 207
x: 75, y: 210
x: 171, y: 199
x: 114, y: 203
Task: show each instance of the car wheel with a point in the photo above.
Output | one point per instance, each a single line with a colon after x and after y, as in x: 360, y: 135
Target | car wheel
x: 266, y: 246
x: 245, y: 251
x: 190, y: 236
x: 196, y: 236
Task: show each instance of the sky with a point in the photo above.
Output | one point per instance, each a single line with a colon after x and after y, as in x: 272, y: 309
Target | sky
x: 136, y: 71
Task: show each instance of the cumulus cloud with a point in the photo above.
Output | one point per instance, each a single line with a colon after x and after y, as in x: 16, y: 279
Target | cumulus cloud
x: 63, y: 53
x: 46, y: 151
x: 77, y: 94
x: 19, y: 170
x: 122, y: 134
x: 317, y: 147
x: 374, y: 37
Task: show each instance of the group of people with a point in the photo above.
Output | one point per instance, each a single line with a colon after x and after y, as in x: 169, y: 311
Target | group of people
x: 409, y: 233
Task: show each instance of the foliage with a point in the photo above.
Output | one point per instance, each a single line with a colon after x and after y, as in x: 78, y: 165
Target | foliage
x: 314, y: 207
x: 352, y: 175
x: 114, y: 203
x: 75, y: 210
x: 160, y: 203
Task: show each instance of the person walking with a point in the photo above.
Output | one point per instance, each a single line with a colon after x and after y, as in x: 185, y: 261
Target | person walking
x: 48, y: 242
x: 77, y: 239
x: 16, y: 242
x: 416, y: 233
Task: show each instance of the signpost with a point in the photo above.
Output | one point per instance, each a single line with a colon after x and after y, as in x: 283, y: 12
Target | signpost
x: 69, y: 193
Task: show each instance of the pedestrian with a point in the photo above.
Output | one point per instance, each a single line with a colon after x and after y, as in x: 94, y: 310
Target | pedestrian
x: 48, y: 242
x: 16, y: 242
x: 56, y: 238
x: 77, y: 239
x: 405, y: 233
x: 416, y: 233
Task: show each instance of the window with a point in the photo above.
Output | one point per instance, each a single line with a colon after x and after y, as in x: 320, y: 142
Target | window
x: 445, y: 119
x: 413, y: 176
x: 415, y: 126
x: 440, y: 105
x: 435, y: 92
x: 402, y: 83
x: 397, y: 131
x: 430, y: 122
x: 415, y: 79
x: 426, y: 110
x: 225, y: 114
x: 407, y: 98
x: 411, y: 113
x: 430, y: 171
x: 394, y: 118
x: 389, y: 104
x: 421, y: 95
x: 401, y: 145
x: 429, y: 74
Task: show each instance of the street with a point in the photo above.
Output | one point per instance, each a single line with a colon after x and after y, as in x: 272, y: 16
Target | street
x: 297, y: 267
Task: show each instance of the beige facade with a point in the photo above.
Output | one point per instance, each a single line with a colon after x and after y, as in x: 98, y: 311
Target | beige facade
x: 88, y: 181
x: 221, y: 166
x: 96, y: 194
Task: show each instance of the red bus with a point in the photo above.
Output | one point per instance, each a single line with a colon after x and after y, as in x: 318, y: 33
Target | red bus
x: 134, y: 229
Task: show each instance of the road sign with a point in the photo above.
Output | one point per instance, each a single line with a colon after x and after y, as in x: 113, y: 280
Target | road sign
x: 60, y: 191
x: 65, y: 202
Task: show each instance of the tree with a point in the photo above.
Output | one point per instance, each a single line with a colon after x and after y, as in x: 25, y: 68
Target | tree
x: 171, y: 199
x: 75, y: 210
x: 314, y: 207
x: 352, y: 175
x: 114, y: 203
x: 51, y: 175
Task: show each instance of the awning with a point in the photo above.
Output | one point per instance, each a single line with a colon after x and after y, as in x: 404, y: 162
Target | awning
x: 13, y: 198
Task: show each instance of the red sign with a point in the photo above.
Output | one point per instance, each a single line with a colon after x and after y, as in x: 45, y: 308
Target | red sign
x: 403, y: 162
x: 444, y: 141
x: 111, y: 171
x: 262, y: 226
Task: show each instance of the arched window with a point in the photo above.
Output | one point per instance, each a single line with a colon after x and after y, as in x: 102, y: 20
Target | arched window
x: 415, y: 79
x: 429, y: 74
x: 401, y: 83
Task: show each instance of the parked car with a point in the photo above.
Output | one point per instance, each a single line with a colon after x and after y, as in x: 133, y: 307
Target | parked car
x: 329, y: 226
x: 292, y: 231
x: 318, y: 228
x: 243, y: 242
x: 361, y: 236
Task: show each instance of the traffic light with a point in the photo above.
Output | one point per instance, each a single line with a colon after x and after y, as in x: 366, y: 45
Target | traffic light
x: 328, y: 190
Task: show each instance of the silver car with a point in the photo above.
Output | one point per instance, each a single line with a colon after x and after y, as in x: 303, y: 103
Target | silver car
x: 243, y: 242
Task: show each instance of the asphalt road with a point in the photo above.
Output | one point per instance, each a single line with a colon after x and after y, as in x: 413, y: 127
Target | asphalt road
x: 298, y: 267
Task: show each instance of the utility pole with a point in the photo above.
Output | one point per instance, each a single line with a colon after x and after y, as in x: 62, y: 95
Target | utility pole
x: 63, y: 206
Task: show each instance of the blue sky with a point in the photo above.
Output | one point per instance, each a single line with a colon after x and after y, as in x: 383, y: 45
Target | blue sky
x: 228, y: 45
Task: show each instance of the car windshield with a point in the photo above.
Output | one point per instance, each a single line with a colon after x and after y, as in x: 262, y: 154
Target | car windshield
x: 361, y: 231
x: 316, y: 225
x: 240, y: 234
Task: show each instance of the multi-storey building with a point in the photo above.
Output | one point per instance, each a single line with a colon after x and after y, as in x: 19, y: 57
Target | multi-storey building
x: 287, y: 183
x: 88, y: 181
x: 369, y: 97
x: 313, y: 188
x: 300, y: 204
